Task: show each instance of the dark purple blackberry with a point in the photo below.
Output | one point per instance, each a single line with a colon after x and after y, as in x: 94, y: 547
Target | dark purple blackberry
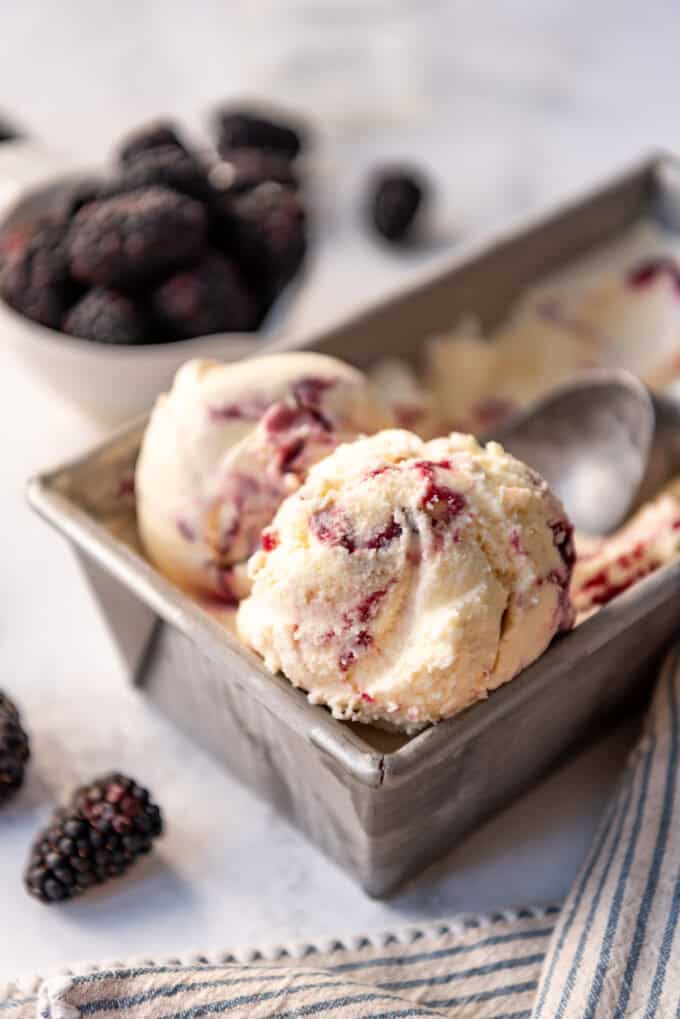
x: 34, y: 272
x: 106, y: 317
x: 158, y: 134
x: 73, y: 194
x: 166, y: 167
x: 248, y: 128
x: 8, y: 131
x: 14, y: 750
x: 243, y: 169
x: 208, y: 298
x: 267, y: 236
x: 99, y: 835
x: 395, y: 198
x: 129, y: 239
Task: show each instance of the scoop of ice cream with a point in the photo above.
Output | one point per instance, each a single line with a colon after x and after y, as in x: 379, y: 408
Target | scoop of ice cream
x: 605, y: 567
x: 407, y: 579
x: 226, y: 445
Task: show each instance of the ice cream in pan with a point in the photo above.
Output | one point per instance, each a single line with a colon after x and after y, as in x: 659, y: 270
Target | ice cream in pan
x: 617, y: 308
x: 398, y: 580
x: 395, y: 580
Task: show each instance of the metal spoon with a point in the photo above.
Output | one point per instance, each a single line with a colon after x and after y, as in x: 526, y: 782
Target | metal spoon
x: 604, y: 443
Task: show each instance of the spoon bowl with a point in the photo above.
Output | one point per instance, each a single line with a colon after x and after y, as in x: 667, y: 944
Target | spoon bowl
x: 602, y: 442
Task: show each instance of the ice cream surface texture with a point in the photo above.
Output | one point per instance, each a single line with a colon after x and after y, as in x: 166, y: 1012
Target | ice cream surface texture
x: 406, y: 579
x: 227, y: 444
x: 606, y: 567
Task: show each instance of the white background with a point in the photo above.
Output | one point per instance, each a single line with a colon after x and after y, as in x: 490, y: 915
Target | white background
x: 509, y: 105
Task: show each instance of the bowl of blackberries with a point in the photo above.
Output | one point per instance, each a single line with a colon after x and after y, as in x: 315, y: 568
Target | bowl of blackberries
x: 108, y: 282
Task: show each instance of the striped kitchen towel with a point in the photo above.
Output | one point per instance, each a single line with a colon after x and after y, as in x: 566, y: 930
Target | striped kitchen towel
x: 610, y: 952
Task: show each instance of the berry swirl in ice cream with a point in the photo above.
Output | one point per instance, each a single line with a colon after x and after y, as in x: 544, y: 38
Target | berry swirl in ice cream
x: 226, y: 445
x: 406, y: 579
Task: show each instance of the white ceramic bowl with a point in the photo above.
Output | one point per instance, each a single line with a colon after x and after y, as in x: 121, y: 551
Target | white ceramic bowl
x: 111, y: 381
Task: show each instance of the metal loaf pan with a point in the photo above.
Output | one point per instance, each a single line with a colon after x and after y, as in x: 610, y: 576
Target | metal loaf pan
x: 382, y: 807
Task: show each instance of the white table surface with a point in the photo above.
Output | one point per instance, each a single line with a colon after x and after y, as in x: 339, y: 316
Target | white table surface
x: 509, y: 108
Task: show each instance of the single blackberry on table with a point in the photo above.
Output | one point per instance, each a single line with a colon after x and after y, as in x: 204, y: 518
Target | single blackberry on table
x: 107, y: 825
x: 127, y: 240
x: 395, y: 198
x: 207, y: 298
x: 34, y: 272
x: 106, y: 317
x: 267, y: 236
x: 14, y: 749
x: 249, y: 128
x: 157, y: 134
x: 168, y: 167
x: 8, y: 131
x: 243, y: 169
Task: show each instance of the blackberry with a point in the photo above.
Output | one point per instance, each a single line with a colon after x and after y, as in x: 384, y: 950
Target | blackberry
x: 99, y: 835
x: 106, y: 317
x: 14, y: 750
x: 248, y: 128
x: 396, y: 196
x: 157, y: 134
x: 69, y: 197
x: 168, y: 167
x: 129, y: 239
x: 208, y: 298
x: 34, y: 273
x: 8, y: 132
x: 243, y: 169
x: 267, y: 236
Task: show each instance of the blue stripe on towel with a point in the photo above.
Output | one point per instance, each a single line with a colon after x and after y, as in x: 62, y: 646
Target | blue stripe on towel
x: 617, y: 902
x: 475, y: 971
x: 526, y: 1014
x: 153, y: 994
x: 570, y: 982
x: 216, y: 1007
x: 664, y: 954
x: 441, y: 953
x: 479, y: 996
x: 657, y: 858
x: 605, y: 831
x: 403, y: 1013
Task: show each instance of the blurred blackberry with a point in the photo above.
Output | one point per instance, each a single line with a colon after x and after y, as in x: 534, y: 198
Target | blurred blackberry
x: 34, y: 272
x: 157, y: 134
x: 208, y: 298
x: 267, y: 237
x: 106, y: 317
x: 14, y: 750
x: 248, y: 128
x: 243, y: 169
x: 69, y: 197
x: 395, y: 198
x: 167, y: 167
x: 129, y: 239
x: 8, y: 131
x: 105, y: 828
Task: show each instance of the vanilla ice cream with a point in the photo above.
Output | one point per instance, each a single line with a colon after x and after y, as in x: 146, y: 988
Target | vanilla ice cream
x: 617, y: 308
x: 406, y: 579
x: 413, y: 405
x: 226, y: 445
x: 605, y: 567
